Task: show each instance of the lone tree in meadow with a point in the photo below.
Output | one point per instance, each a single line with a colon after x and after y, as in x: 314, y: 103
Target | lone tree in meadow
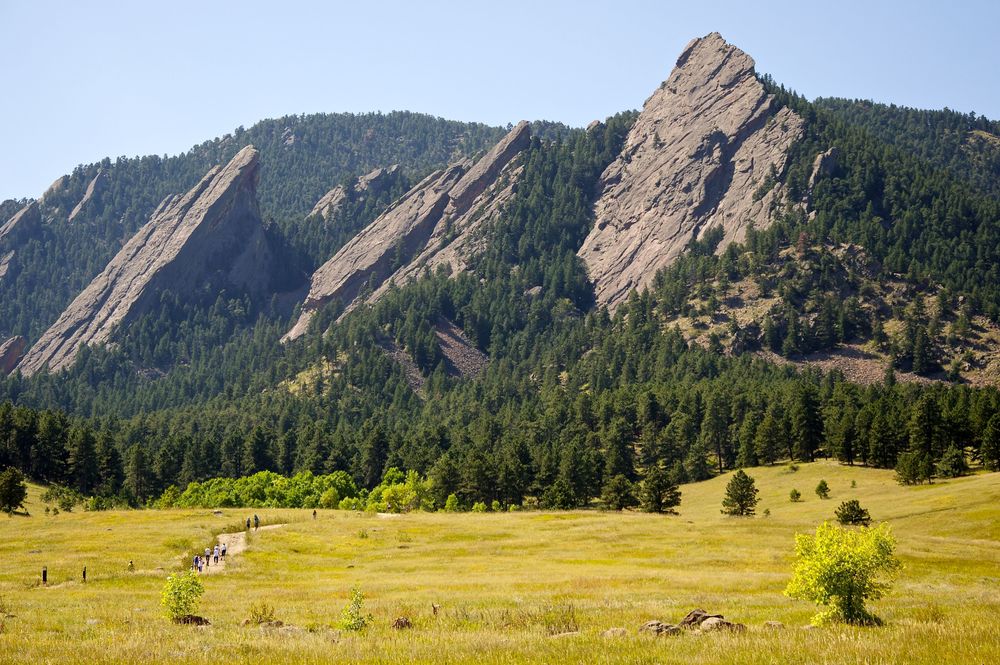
x: 795, y: 496
x: 850, y: 513
x: 13, y: 490
x: 823, y: 490
x: 741, y: 496
x: 841, y: 569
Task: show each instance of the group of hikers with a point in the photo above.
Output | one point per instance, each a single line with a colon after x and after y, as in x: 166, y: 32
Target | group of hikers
x: 218, y: 553
x: 211, y: 554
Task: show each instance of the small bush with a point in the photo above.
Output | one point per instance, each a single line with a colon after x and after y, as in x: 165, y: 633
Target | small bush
x: 851, y: 513
x: 823, y: 490
x: 841, y: 569
x: 451, y: 504
x: 363, y: 533
x: 795, y: 496
x: 352, y: 617
x: 479, y: 507
x: 181, y: 594
x: 260, y: 613
x: 495, y: 506
x: 914, y: 468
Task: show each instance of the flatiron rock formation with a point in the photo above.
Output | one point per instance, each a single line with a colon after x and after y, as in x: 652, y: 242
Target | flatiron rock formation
x: 211, y: 234
x: 697, y: 158
x: 96, y: 186
x: 370, y: 184
x: 409, y: 235
x: 10, y: 352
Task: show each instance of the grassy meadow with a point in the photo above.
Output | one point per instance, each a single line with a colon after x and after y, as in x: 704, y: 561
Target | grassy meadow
x: 513, y: 587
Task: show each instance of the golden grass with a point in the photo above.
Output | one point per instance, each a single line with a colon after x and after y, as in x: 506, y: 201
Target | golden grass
x: 506, y: 583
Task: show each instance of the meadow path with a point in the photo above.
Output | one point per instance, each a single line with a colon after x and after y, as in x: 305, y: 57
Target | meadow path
x: 236, y: 543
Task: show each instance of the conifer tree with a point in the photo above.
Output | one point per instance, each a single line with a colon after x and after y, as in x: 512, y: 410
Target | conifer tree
x: 741, y: 495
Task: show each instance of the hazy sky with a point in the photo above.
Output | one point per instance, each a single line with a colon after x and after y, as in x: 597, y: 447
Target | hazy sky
x: 84, y: 80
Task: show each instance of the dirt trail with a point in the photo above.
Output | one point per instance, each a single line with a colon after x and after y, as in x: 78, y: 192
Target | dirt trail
x: 236, y: 543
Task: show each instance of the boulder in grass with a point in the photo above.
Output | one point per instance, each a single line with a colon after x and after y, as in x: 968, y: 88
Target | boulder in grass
x: 695, y: 618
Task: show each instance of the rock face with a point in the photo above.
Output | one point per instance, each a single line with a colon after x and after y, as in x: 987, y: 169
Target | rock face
x: 370, y: 184
x: 22, y: 225
x: 11, y: 352
x: 823, y: 167
x: 414, y: 233
x: 96, y: 186
x: 697, y: 158
x: 213, y: 234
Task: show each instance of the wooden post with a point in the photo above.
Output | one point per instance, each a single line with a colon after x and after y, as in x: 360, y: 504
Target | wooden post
x: 84, y: 573
x: 45, y: 575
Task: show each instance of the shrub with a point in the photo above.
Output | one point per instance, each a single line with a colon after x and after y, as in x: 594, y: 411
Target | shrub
x: 479, y: 507
x: 823, y: 490
x: 64, y: 497
x: 330, y: 498
x: 451, y: 504
x: 953, y: 464
x: 741, y: 495
x: 841, y: 569
x: 795, y: 496
x: 352, y: 617
x: 495, y: 506
x: 260, y: 613
x: 851, y: 513
x: 13, y: 490
x: 181, y: 594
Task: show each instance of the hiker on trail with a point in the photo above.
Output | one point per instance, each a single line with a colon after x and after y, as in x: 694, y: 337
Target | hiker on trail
x: 194, y: 563
x: 314, y: 513
x: 131, y: 566
x: 197, y: 562
x: 223, y: 550
x: 248, y: 524
x: 208, y: 557
x: 215, y: 554
x: 256, y: 522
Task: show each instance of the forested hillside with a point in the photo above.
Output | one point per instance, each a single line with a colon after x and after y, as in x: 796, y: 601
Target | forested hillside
x: 884, y: 240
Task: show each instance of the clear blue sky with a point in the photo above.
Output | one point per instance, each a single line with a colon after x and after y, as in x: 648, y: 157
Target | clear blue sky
x: 84, y: 80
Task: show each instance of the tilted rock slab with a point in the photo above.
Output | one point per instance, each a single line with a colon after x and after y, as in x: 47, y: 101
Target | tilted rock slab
x: 373, y: 183
x: 96, y: 186
x: 409, y: 233
x: 22, y: 225
x: 695, y: 159
x: 212, y: 232
x: 10, y: 352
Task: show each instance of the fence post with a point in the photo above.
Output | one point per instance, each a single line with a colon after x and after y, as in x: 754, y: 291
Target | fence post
x: 45, y: 575
x: 84, y: 573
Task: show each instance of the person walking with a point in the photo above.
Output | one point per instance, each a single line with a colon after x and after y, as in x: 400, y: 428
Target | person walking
x: 208, y: 557
x: 248, y: 524
x: 194, y: 562
x: 215, y: 553
x: 256, y: 522
x: 314, y: 513
x: 223, y: 550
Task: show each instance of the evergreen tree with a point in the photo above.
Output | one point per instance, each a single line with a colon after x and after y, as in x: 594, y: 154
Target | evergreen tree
x: 13, y: 490
x: 658, y: 494
x: 84, y: 467
x: 741, y: 495
x: 770, y: 436
x: 806, y: 425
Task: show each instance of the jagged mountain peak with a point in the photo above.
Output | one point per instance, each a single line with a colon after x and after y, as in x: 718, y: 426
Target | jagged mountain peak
x: 697, y: 158
x: 213, y: 232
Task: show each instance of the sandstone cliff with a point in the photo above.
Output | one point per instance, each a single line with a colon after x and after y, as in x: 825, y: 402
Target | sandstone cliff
x: 212, y: 234
x: 22, y: 225
x: 698, y: 157
x: 94, y: 188
x: 370, y: 184
x: 414, y: 231
x: 11, y: 352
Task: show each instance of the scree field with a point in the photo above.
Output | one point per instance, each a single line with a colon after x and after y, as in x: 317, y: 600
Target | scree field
x: 509, y: 588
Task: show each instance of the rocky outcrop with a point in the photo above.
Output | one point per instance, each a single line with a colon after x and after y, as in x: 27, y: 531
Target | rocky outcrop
x: 434, y: 223
x: 25, y: 223
x: 823, y: 167
x: 370, y: 184
x: 96, y: 187
x: 10, y: 353
x: 211, y: 235
x: 698, y: 157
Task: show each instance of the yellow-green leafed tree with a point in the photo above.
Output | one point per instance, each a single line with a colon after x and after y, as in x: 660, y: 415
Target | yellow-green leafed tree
x: 842, y: 568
